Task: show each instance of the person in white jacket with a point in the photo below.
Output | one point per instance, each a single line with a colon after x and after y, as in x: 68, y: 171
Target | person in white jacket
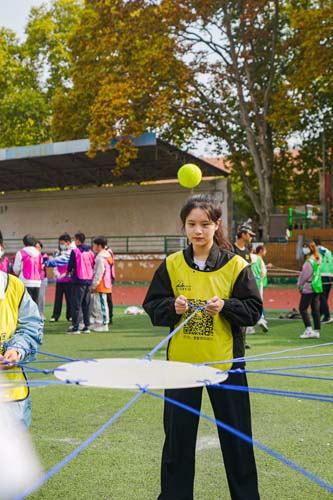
x: 28, y: 266
x: 101, y: 286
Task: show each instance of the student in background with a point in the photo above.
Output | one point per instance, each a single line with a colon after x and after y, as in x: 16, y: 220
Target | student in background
x: 259, y: 270
x: 113, y: 278
x: 326, y: 272
x: 43, y: 285
x: 310, y: 285
x: 63, y: 281
x: 81, y: 269
x: 28, y: 266
x: 101, y: 286
x: 242, y: 247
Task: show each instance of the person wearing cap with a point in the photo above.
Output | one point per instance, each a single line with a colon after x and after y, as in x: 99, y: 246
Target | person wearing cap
x: 242, y: 247
x: 243, y: 242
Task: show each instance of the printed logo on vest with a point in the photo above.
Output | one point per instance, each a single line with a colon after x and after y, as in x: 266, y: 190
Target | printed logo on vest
x: 182, y: 287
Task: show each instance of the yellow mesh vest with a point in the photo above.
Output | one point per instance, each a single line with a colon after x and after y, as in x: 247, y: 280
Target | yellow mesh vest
x: 8, y: 322
x: 204, y: 338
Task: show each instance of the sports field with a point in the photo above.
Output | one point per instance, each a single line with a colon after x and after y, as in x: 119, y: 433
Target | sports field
x: 123, y: 463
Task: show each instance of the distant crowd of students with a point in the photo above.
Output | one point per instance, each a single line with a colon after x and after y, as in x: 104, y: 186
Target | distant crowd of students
x: 84, y: 276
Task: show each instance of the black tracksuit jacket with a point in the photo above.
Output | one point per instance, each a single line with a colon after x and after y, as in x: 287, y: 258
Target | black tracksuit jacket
x: 243, y: 309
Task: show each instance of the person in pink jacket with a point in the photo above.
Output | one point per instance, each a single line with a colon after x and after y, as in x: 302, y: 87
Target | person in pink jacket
x: 28, y: 266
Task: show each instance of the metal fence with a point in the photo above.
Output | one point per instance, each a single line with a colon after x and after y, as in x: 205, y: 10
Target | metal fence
x: 119, y: 244
x: 281, y: 254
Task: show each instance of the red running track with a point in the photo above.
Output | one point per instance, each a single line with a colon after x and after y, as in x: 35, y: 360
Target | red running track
x: 274, y: 298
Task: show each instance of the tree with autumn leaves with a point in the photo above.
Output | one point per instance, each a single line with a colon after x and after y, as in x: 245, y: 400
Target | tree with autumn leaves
x: 187, y: 70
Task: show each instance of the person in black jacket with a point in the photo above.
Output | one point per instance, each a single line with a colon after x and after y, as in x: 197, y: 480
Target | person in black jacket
x: 206, y: 274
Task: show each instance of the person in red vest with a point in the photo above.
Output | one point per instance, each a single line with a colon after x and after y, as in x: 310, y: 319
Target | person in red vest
x: 28, y: 266
x: 81, y: 269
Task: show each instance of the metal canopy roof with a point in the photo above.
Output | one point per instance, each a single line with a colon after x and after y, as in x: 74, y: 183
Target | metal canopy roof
x: 66, y: 164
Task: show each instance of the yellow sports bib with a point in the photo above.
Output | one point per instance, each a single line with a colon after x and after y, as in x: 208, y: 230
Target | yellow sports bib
x: 9, y: 307
x: 204, y: 338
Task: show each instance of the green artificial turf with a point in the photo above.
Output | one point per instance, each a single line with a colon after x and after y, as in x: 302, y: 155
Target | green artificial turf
x: 124, y: 462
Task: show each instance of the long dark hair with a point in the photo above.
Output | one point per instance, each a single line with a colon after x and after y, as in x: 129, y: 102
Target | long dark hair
x: 214, y: 212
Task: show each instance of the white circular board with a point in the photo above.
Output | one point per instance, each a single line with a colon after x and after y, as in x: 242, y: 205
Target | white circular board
x: 132, y: 373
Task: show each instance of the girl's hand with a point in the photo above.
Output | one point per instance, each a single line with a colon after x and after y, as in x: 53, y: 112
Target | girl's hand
x: 214, y: 306
x: 10, y: 356
x: 181, y: 305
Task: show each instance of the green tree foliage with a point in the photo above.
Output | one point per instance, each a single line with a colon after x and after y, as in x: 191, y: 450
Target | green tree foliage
x: 304, y: 100
x: 25, y: 116
x: 246, y: 74
x: 177, y: 67
x: 47, y: 42
x: 128, y: 77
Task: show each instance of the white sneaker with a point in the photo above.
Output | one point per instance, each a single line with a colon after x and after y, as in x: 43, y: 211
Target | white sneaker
x: 326, y: 321
x: 250, y: 330
x: 263, y: 324
x: 100, y: 328
x: 310, y: 334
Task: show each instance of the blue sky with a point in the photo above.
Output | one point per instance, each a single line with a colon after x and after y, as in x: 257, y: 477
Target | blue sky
x: 14, y: 13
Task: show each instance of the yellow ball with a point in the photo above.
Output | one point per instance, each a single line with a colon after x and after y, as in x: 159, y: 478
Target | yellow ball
x: 189, y: 175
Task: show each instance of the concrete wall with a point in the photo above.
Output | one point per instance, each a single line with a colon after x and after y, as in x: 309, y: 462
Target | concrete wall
x: 114, y: 211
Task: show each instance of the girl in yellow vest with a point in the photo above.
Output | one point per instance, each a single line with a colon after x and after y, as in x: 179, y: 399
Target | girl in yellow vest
x: 21, y: 333
x: 206, y: 274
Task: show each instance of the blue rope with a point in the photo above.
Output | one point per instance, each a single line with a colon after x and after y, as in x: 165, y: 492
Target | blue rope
x: 303, y: 348
x: 280, y: 368
x: 31, y: 369
x: 12, y: 384
x: 327, y: 398
x: 246, y: 438
x: 271, y: 371
x: 247, y: 360
x: 293, y: 375
x: 257, y: 356
x: 42, y: 361
x: 54, y: 355
x: 78, y: 450
x: 171, y: 334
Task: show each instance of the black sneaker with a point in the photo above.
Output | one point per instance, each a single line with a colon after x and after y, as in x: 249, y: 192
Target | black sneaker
x: 73, y: 331
x: 247, y: 346
x: 86, y: 329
